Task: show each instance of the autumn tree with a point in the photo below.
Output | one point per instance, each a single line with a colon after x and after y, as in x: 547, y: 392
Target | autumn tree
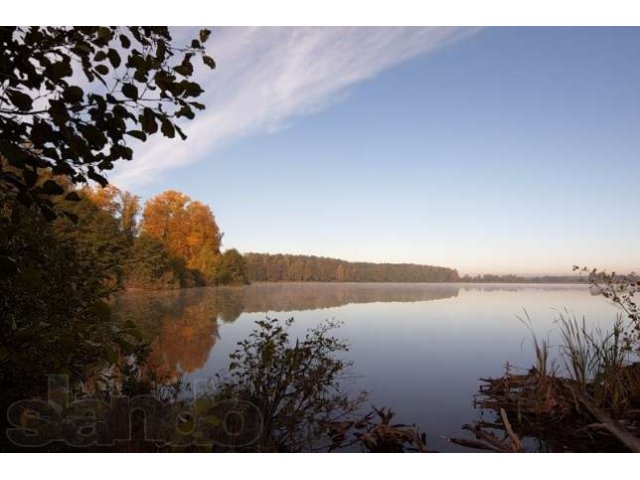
x: 122, y: 205
x: 187, y: 227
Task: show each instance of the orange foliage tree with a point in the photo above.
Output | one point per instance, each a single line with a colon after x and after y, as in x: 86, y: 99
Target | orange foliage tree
x: 186, y: 227
x: 120, y: 204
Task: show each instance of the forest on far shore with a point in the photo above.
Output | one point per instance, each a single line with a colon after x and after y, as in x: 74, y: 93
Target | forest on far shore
x: 264, y: 267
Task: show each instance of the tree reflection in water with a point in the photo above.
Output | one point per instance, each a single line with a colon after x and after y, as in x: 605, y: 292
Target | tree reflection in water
x: 182, y: 325
x: 184, y: 343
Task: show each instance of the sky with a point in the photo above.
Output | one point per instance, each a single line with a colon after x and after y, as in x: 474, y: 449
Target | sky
x: 497, y: 150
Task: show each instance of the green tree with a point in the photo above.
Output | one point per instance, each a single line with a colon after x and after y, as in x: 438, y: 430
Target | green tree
x: 53, y: 315
x: 232, y: 269
x: 151, y: 266
x: 97, y: 238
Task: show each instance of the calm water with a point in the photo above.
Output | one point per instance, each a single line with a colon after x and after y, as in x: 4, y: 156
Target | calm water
x: 417, y: 348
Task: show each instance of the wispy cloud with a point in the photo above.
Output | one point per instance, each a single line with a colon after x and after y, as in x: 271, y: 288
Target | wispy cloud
x: 267, y: 76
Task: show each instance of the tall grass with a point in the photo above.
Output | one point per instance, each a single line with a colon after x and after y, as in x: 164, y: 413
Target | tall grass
x: 541, y: 348
x: 545, y: 369
x: 598, y: 362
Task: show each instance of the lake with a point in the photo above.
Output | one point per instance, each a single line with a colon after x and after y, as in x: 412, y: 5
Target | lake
x: 416, y: 348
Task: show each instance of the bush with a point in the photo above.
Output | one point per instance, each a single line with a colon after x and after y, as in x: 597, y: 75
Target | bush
x: 53, y: 311
x: 296, y: 386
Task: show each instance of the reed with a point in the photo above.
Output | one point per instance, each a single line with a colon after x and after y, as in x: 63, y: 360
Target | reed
x: 598, y: 362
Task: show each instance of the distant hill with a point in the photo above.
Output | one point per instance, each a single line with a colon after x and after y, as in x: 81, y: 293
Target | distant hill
x: 264, y: 267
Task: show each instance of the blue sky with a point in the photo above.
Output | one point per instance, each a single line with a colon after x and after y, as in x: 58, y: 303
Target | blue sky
x: 491, y: 150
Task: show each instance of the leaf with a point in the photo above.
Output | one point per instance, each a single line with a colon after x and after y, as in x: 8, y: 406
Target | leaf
x: 40, y: 133
x: 204, y: 34
x: 73, y: 94
x: 185, y: 68
x: 185, y: 111
x: 97, y: 178
x: 30, y: 177
x: 161, y: 51
x: 104, y: 34
x: 60, y: 70
x: 52, y: 188
x: 102, y: 69
x: 124, y: 41
x: 94, y: 135
x: 167, y: 128
x: 148, y: 120
x: 208, y: 61
x: 139, y: 134
x: 114, y: 58
x: 129, y: 90
x: 192, y: 89
x: 72, y: 197
x: 21, y: 100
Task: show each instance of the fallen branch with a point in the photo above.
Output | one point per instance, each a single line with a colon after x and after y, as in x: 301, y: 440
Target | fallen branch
x: 622, y: 434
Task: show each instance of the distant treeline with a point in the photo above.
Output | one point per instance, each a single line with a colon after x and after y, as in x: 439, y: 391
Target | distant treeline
x: 558, y: 279
x: 263, y: 267
x: 492, y: 278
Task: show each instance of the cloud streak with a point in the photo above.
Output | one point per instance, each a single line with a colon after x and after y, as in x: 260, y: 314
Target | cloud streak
x: 265, y: 77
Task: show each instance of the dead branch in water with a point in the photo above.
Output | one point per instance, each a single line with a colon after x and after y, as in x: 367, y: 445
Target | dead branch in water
x: 377, y: 434
x: 620, y: 432
x: 551, y: 409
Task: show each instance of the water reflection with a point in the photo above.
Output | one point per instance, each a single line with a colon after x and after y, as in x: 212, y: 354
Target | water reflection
x: 183, y: 324
x: 417, y: 348
x: 274, y: 297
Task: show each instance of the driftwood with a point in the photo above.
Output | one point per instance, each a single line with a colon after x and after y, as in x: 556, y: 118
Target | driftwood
x: 376, y: 433
x: 552, y: 410
x: 487, y: 440
x: 621, y: 433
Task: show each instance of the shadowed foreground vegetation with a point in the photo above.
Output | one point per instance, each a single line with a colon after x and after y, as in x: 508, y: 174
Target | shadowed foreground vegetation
x: 583, y: 397
x: 277, y: 395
